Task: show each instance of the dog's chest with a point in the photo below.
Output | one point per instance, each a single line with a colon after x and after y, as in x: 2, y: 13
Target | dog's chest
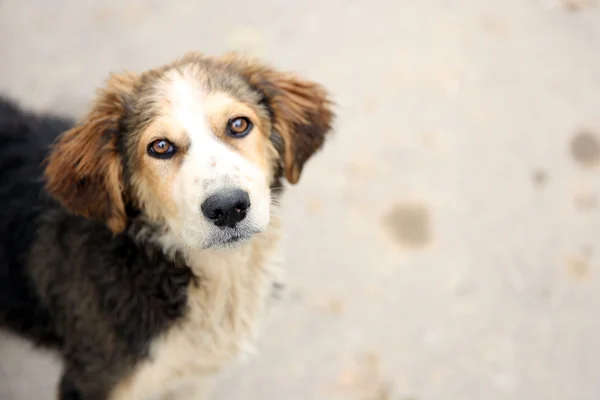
x: 225, y: 308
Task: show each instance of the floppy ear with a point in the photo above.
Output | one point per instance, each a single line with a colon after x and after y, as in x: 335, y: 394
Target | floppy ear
x: 84, y: 168
x: 300, y: 111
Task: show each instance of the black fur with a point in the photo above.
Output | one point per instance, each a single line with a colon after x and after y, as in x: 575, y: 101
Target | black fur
x: 68, y: 283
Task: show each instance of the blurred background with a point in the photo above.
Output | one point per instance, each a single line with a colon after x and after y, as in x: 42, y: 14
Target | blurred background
x: 445, y: 244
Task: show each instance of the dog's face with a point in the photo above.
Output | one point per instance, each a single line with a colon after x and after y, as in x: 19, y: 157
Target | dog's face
x: 196, y: 146
x: 199, y: 155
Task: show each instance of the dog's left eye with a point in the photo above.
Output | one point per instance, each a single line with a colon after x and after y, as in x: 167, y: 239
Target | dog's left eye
x: 161, y: 148
x: 239, y: 127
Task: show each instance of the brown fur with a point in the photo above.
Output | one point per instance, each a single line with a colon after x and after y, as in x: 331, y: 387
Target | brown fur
x: 84, y: 169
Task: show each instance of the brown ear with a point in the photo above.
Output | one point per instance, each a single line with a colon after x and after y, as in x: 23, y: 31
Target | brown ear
x: 300, y: 111
x: 84, y: 168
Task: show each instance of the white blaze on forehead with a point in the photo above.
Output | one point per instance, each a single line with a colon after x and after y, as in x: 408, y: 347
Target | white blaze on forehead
x: 187, y: 98
x: 208, y: 158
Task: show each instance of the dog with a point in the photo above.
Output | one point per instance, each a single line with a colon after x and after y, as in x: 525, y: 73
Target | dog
x: 141, y: 243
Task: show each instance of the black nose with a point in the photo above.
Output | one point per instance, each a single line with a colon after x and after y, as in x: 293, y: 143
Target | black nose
x: 226, y: 208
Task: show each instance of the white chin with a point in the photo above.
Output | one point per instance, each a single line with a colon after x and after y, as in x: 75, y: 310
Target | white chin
x: 230, y: 244
x: 229, y: 238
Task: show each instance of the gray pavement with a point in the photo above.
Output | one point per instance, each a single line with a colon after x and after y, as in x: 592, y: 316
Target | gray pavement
x: 446, y: 243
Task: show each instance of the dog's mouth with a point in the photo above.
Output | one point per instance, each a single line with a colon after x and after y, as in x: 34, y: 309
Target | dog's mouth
x: 234, y: 239
x: 231, y: 237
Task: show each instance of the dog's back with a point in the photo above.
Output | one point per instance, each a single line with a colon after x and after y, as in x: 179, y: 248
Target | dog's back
x: 24, y: 140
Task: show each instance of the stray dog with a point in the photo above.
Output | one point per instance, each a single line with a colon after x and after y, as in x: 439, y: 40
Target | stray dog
x: 140, y: 243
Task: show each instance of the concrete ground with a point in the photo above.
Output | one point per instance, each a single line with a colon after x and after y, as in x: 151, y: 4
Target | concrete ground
x: 446, y: 244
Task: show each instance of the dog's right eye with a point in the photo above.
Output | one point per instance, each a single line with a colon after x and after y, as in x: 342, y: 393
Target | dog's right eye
x: 161, y: 148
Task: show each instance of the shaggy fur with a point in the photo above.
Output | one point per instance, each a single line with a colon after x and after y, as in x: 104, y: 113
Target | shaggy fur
x: 105, y: 256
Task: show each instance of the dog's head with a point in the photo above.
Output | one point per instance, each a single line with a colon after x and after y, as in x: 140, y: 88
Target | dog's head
x: 196, y: 146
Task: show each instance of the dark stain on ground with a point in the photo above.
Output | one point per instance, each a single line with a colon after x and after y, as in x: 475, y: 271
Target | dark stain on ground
x: 578, y: 267
x: 578, y: 5
x: 585, y: 148
x: 277, y: 289
x: 409, y: 224
x: 540, y: 177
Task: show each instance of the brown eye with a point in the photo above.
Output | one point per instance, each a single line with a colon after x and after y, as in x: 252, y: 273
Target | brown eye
x: 161, y: 148
x: 239, y: 127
